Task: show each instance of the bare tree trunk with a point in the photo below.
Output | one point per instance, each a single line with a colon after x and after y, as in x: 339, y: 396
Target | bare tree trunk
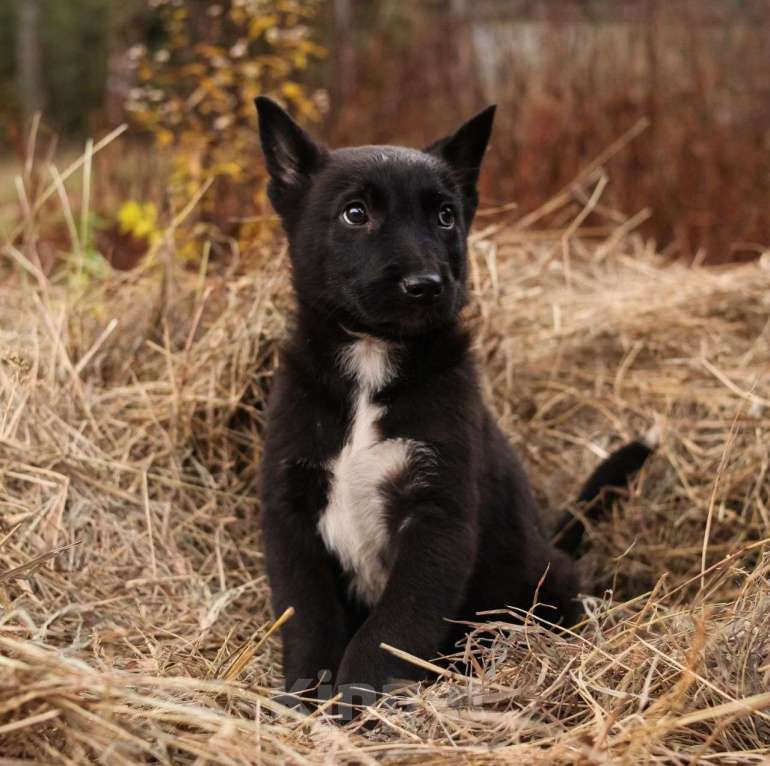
x: 344, y: 55
x: 467, y: 34
x: 30, y: 81
x: 121, y: 74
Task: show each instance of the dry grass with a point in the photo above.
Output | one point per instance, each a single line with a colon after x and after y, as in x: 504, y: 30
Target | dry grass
x: 131, y: 567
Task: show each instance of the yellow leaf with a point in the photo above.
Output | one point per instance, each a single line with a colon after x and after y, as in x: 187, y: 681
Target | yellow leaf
x: 291, y: 90
x: 261, y: 24
x: 128, y: 215
x: 164, y: 137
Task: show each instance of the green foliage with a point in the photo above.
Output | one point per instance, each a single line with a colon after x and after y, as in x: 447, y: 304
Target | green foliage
x: 74, y: 39
x: 8, y: 100
x: 7, y: 38
x: 196, y: 90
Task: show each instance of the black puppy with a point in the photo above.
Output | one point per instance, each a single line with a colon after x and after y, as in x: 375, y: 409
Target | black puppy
x: 390, y: 498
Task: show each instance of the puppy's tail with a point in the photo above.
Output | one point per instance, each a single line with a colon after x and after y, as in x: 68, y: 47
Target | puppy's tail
x: 603, y: 487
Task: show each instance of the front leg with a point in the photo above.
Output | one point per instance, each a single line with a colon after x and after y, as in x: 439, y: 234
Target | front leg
x: 433, y: 564
x: 303, y: 575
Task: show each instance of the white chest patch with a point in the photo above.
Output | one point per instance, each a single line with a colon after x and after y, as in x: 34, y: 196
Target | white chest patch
x: 353, y: 525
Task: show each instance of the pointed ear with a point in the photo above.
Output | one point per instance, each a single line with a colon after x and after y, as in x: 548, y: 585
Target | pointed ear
x: 464, y: 150
x: 290, y: 153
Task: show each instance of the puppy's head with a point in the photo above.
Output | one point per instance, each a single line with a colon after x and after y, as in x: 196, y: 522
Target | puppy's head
x: 377, y: 234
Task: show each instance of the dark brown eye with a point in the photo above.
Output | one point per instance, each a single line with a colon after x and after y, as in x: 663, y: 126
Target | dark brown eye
x: 446, y: 216
x: 355, y: 214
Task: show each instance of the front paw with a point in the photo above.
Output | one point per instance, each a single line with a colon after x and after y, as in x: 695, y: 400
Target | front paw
x: 361, y: 679
x: 304, y: 695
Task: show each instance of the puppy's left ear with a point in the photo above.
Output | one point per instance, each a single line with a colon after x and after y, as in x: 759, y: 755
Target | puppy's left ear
x: 464, y: 150
x: 290, y: 153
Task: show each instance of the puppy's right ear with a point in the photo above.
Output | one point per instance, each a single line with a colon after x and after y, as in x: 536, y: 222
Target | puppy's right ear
x: 290, y: 153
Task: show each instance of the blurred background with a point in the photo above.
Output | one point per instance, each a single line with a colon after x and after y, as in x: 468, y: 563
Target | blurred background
x: 671, y: 96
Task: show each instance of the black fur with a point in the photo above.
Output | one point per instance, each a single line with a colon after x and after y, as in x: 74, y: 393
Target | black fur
x: 599, y: 492
x: 474, y: 540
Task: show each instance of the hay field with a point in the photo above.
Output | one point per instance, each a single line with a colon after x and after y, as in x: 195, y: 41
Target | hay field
x: 133, y: 601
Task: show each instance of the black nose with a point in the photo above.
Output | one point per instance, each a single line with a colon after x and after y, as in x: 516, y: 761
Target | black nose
x: 422, y: 287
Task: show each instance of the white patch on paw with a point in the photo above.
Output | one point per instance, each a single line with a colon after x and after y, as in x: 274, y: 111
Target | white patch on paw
x: 353, y: 525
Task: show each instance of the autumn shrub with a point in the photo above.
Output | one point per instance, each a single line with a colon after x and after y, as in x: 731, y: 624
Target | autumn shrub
x: 194, y: 95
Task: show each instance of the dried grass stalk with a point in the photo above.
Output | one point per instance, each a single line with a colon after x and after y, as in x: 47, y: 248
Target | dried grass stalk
x: 130, y: 421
